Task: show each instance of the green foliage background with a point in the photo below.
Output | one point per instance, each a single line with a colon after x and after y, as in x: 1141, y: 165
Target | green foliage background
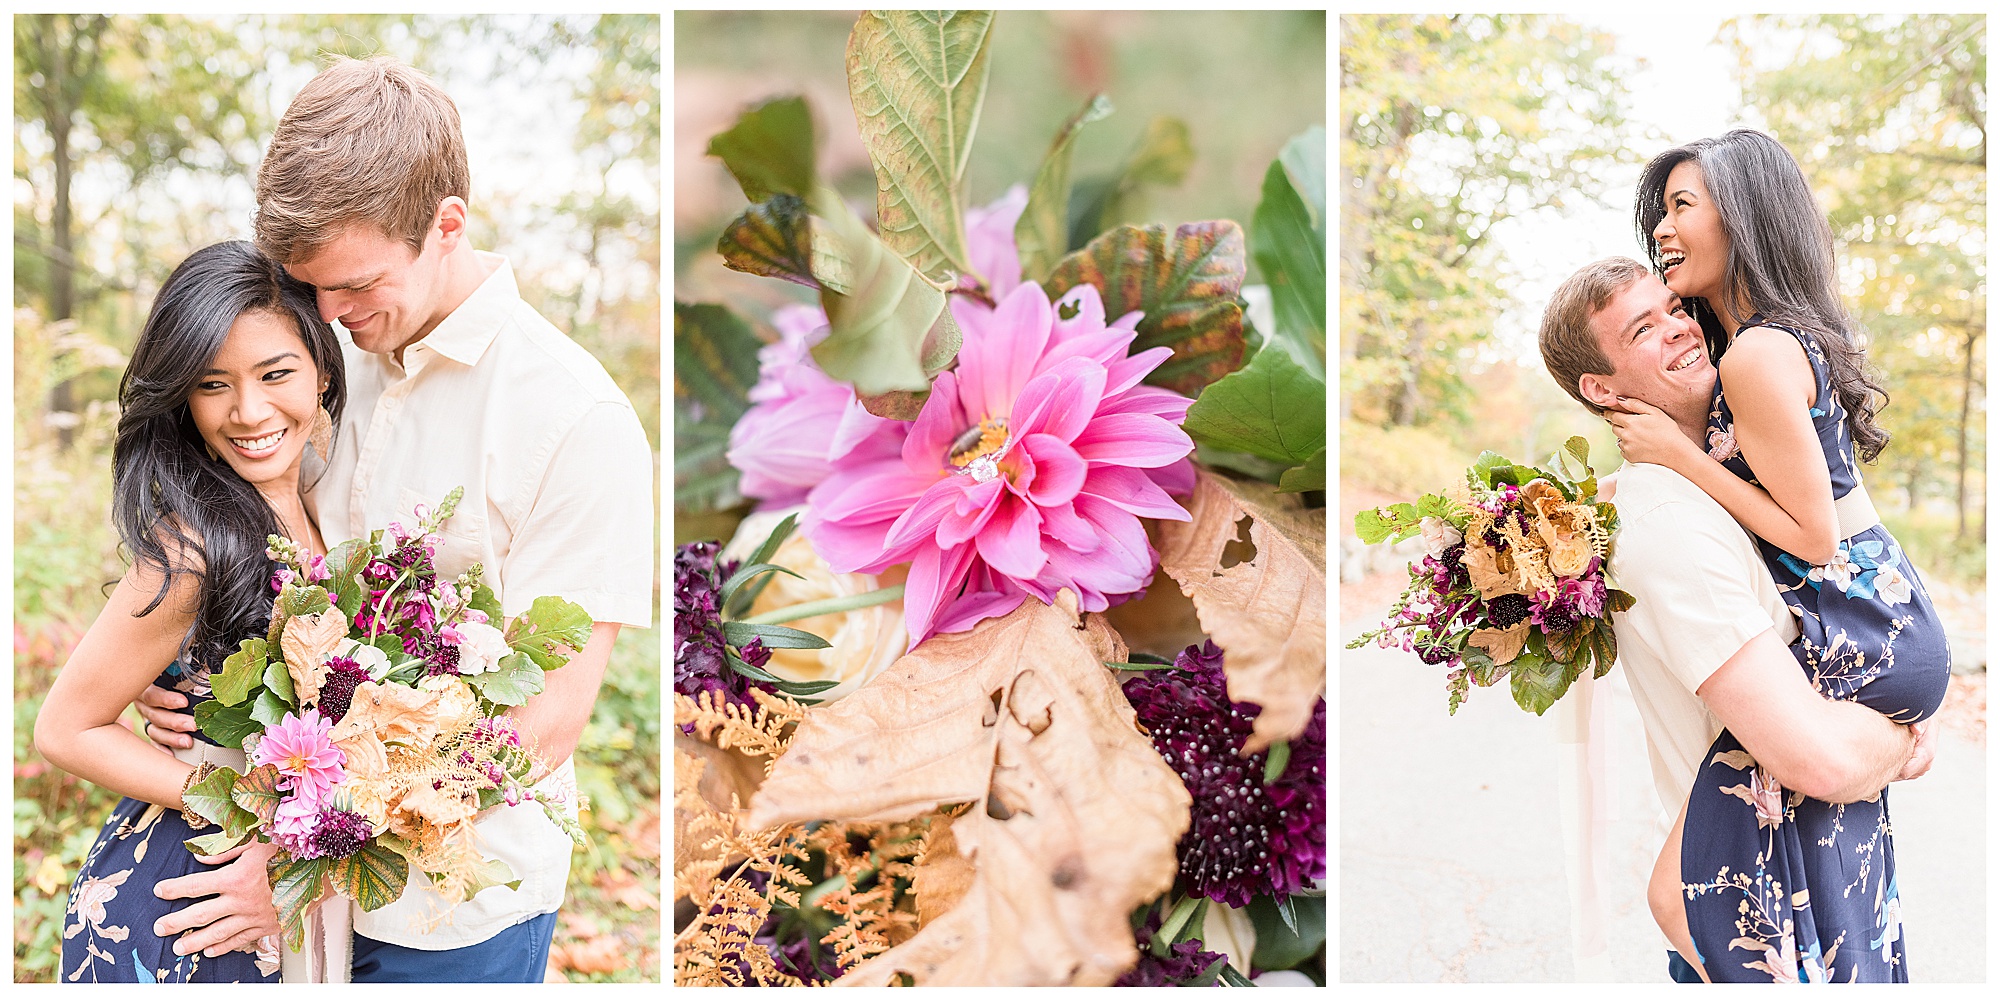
x: 1451, y: 125
x: 168, y: 116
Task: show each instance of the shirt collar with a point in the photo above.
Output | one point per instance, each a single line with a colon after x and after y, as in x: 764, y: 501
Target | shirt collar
x: 465, y: 334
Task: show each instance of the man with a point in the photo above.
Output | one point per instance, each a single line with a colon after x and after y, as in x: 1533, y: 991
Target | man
x: 453, y: 381
x: 1705, y: 648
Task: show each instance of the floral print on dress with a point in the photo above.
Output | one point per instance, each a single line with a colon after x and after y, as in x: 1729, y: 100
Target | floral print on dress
x: 108, y: 925
x: 1788, y: 893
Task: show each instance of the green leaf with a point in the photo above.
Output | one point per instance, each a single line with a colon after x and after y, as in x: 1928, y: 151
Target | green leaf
x: 1604, y: 649
x: 1139, y: 666
x: 739, y: 634
x: 210, y: 797
x: 238, y: 822
x: 278, y: 681
x: 512, y: 683
x: 1042, y: 234
x: 715, y: 366
x: 267, y: 708
x: 1487, y: 464
x: 770, y: 149
x: 744, y: 577
x: 213, y: 843
x: 1161, y: 157
x: 294, y: 887
x: 225, y: 725
x: 1187, y: 282
x: 1618, y: 601
x: 890, y: 331
x: 1281, y: 945
x: 550, y: 631
x: 345, y: 562
x: 1307, y: 477
x: 1537, y: 688
x: 917, y: 80
x: 374, y: 876
x: 242, y: 672
x: 304, y: 600
x: 1272, y: 408
x: 1275, y: 762
x: 779, y: 534
x: 486, y: 602
x: 1371, y: 527
x: 1288, y: 241
x: 256, y: 791
x: 797, y: 690
x: 772, y: 239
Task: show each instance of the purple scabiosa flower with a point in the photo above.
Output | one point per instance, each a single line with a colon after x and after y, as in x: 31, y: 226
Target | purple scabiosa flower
x: 340, y: 833
x: 1245, y: 837
x: 336, y: 693
x: 1183, y: 965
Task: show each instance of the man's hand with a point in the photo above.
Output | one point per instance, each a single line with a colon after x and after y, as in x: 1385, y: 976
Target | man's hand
x: 1922, y: 754
x: 238, y: 912
x: 163, y: 726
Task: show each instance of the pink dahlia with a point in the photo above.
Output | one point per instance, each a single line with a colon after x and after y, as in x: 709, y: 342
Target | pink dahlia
x: 801, y: 420
x: 308, y: 763
x: 1026, y: 473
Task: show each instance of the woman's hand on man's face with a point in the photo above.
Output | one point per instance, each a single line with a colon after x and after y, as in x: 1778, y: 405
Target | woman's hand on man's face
x: 1647, y: 435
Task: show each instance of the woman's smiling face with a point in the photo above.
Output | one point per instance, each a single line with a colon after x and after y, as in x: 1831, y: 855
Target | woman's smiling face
x: 256, y: 403
x: 1694, y: 249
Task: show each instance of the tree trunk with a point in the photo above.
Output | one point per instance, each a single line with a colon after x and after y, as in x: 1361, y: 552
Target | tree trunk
x: 1964, y: 423
x: 1404, y: 408
x: 68, y: 56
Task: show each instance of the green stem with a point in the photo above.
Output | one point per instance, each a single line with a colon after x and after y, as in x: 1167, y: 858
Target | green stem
x: 821, y: 607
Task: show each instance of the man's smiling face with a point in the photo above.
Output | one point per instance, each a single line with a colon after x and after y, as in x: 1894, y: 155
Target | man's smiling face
x: 379, y: 290
x: 1656, y: 353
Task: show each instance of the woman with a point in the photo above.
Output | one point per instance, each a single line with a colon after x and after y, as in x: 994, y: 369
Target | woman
x: 233, y: 376
x: 1774, y: 885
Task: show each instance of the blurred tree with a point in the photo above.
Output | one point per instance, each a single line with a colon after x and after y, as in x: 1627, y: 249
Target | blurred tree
x: 1451, y: 125
x: 133, y: 95
x: 1887, y: 116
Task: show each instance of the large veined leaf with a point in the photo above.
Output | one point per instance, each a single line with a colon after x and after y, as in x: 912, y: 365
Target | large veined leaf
x: 210, y: 796
x: 257, y: 792
x: 550, y: 631
x: 1288, y: 241
x: 294, y: 887
x: 1186, y: 281
x: 1161, y: 158
x: 892, y: 330
x: 715, y: 366
x: 373, y: 876
x: 1074, y: 818
x: 917, y: 80
x: 242, y: 672
x: 225, y: 725
x: 772, y: 239
x: 1272, y: 408
x: 1042, y: 234
x: 512, y: 683
x: 770, y: 149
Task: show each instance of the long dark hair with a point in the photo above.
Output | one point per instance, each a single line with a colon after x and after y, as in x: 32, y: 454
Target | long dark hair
x: 1780, y: 259
x: 178, y: 510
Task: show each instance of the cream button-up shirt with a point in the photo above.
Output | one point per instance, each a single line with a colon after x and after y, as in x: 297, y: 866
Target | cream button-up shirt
x: 558, y: 480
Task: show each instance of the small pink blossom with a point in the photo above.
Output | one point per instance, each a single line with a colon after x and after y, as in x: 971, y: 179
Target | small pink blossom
x: 802, y: 420
x: 308, y: 763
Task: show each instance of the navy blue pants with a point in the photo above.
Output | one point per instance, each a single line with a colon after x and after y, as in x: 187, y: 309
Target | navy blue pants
x: 519, y: 954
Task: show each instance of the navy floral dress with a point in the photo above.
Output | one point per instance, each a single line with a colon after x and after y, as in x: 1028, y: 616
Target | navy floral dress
x: 108, y: 931
x: 1780, y: 887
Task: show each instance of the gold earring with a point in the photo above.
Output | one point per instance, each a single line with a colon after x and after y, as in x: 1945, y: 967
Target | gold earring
x: 322, y: 434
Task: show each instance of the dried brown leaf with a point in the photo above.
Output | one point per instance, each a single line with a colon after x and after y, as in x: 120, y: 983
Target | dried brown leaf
x: 944, y: 874
x: 1267, y: 609
x: 308, y: 641
x: 1075, y: 816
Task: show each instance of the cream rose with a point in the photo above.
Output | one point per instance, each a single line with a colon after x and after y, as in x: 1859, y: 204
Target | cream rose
x: 865, y: 641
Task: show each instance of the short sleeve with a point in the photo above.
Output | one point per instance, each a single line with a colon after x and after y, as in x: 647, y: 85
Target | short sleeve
x: 589, y: 536
x: 1696, y: 578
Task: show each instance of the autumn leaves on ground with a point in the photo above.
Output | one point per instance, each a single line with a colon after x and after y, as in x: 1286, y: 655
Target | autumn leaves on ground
x: 996, y: 776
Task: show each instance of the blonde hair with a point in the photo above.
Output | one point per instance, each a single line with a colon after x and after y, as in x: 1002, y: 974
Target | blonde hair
x: 367, y: 141
x: 1570, y: 348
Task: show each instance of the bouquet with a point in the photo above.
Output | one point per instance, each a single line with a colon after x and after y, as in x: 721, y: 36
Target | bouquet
x: 371, y: 715
x: 1513, y: 583
x: 1056, y: 593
